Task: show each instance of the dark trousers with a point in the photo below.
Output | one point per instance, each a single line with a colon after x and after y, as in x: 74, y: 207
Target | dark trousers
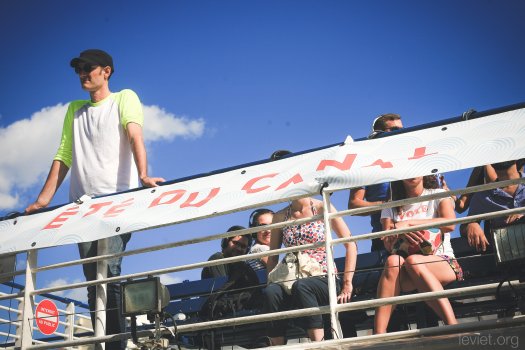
x: 306, y: 292
x: 115, y: 323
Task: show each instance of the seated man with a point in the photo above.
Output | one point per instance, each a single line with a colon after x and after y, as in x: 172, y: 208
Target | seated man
x: 361, y: 197
x: 480, y: 175
x: 231, y: 246
x: 508, y: 197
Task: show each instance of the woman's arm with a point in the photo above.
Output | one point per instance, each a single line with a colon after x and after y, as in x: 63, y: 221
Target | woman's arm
x: 388, y: 241
x: 357, y: 200
x: 341, y: 229
x: 276, y: 240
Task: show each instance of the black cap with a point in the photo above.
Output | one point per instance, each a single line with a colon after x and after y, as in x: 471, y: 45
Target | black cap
x: 95, y: 57
x: 279, y: 154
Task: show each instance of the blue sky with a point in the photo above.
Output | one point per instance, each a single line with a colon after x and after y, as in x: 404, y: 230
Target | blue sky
x: 228, y: 82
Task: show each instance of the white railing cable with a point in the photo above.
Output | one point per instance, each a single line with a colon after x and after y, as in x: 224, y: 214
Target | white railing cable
x: 10, y: 335
x: 461, y: 220
x: 283, y: 224
x: 9, y: 309
x: 464, y: 291
x: 357, y: 305
x: 11, y: 296
x: 411, y: 200
x: 9, y: 275
x: 332, y: 308
x: 424, y: 332
x: 281, y: 250
x: 180, y: 243
x: 87, y: 329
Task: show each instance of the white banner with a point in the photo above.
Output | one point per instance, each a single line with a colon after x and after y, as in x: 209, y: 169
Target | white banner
x: 445, y: 148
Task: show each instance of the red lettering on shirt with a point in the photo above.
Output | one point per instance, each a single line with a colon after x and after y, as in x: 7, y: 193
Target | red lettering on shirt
x: 423, y: 208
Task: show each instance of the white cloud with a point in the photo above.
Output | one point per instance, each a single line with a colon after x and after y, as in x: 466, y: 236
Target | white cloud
x: 162, y: 125
x: 167, y: 279
x: 79, y: 294
x: 28, y: 145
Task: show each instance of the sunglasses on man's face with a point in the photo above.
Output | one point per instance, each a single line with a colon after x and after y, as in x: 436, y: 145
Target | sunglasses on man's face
x: 394, y: 128
x: 85, y: 68
x: 377, y: 132
x: 239, y: 244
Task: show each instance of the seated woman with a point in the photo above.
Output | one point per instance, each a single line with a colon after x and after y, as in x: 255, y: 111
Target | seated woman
x: 423, y: 273
x: 312, y: 291
x: 260, y: 217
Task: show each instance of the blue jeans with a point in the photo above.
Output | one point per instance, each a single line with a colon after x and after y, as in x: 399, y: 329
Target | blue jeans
x: 115, y: 323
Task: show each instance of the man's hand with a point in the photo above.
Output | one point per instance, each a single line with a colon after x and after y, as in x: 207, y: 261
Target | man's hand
x: 34, y: 207
x: 510, y: 219
x: 476, y: 237
x: 151, y: 181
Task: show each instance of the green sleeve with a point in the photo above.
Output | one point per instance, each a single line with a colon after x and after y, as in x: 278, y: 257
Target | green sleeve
x: 130, y: 108
x: 65, y: 150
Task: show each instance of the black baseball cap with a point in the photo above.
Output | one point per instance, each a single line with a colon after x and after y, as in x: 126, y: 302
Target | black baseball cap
x: 95, y: 57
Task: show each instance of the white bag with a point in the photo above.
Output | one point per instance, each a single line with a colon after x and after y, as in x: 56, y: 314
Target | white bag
x: 292, y: 267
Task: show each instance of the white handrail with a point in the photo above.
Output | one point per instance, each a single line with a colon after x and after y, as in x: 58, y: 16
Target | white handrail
x: 332, y: 308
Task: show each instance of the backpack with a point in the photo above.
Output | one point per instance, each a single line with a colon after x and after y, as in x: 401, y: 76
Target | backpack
x: 240, y: 292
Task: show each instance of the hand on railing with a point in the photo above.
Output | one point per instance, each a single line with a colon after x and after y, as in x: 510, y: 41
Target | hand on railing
x: 346, y: 293
x: 476, y: 237
x: 513, y: 218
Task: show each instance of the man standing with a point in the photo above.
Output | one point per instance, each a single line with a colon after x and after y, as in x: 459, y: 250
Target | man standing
x: 375, y: 194
x: 102, y: 144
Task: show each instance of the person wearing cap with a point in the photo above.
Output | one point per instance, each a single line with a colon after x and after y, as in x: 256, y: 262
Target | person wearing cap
x: 230, y: 247
x: 367, y: 196
x: 102, y: 144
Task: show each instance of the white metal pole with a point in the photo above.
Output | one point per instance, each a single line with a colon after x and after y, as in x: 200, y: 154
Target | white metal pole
x: 70, y: 322
x: 29, y: 302
x: 332, y: 290
x: 102, y: 272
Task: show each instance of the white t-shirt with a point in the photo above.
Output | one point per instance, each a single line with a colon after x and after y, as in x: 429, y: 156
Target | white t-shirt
x: 257, y: 264
x: 423, y: 210
x: 95, y: 145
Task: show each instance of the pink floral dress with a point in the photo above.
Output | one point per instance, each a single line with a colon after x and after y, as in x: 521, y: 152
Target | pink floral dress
x: 307, y: 233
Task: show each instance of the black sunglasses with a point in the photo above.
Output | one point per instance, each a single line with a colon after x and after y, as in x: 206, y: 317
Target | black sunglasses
x: 394, y: 128
x: 85, y: 68
x: 239, y: 244
x: 374, y: 133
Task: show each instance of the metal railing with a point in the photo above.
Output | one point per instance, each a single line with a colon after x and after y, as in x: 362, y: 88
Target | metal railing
x: 24, y: 335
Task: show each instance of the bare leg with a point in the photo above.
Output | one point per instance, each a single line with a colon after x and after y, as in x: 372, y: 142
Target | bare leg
x: 277, y: 340
x: 429, y: 274
x: 316, y: 334
x: 388, y: 287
